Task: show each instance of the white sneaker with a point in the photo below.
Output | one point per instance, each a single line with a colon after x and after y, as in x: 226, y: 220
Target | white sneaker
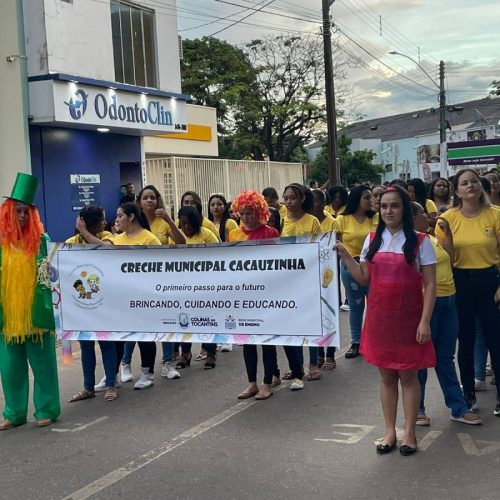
x: 297, y: 384
x: 145, y: 379
x: 126, y: 373
x: 345, y: 307
x: 226, y: 348
x: 168, y: 371
x: 480, y: 385
x: 101, y: 386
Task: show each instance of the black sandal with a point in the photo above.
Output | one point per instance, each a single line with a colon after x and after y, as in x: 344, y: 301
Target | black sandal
x: 210, y: 363
x: 384, y: 448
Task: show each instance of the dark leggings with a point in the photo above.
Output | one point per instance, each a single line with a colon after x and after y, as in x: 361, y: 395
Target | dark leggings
x: 330, y: 352
x: 148, y: 355
x: 292, y: 354
x: 251, y: 360
x: 475, y: 299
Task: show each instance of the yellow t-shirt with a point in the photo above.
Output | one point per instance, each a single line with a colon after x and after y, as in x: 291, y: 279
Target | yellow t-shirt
x: 307, y: 224
x: 430, y: 206
x: 161, y: 230
x: 144, y: 237
x: 283, y: 211
x: 77, y: 239
x: 445, y: 285
x: 331, y: 211
x: 329, y: 225
x: 353, y: 233
x: 206, y: 223
x: 375, y: 220
x: 474, y: 239
x: 204, y: 236
x: 230, y: 225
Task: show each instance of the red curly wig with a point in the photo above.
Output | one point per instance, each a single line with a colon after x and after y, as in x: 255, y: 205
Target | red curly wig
x: 11, y: 234
x: 253, y: 200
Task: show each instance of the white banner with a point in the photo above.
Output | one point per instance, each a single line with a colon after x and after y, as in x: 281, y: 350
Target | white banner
x: 253, y: 290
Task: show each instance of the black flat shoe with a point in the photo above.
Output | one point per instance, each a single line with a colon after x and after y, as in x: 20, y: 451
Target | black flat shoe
x: 384, y: 448
x: 353, y: 352
x: 406, y: 450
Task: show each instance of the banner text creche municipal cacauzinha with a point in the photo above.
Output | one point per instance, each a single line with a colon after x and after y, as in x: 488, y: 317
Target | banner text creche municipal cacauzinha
x: 213, y: 265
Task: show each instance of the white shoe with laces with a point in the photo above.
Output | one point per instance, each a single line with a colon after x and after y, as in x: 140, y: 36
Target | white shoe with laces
x: 146, y: 380
x: 126, y: 373
x: 297, y: 384
x: 168, y: 371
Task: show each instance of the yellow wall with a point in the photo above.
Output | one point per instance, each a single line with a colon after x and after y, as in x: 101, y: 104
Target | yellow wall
x: 200, y: 139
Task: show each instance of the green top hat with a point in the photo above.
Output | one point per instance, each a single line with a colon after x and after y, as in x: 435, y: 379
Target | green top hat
x: 24, y: 189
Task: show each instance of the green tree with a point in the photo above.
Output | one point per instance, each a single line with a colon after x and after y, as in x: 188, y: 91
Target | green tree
x: 355, y: 167
x: 495, y: 87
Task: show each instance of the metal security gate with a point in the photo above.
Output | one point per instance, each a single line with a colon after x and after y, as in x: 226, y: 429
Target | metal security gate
x: 175, y: 175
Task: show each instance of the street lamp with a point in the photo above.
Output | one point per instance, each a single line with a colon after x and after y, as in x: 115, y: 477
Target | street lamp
x: 443, y: 151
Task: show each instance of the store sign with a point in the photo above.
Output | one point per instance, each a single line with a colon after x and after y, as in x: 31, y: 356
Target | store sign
x: 85, y: 190
x: 474, y: 152
x: 88, y: 105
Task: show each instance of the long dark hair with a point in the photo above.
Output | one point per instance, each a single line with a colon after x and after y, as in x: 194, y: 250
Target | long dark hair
x: 194, y: 218
x: 420, y: 191
x: 430, y: 192
x: 411, y: 243
x: 301, y: 190
x: 197, y: 200
x: 93, y: 216
x: 225, y: 215
x: 159, y: 200
x: 130, y: 208
x: 354, y: 200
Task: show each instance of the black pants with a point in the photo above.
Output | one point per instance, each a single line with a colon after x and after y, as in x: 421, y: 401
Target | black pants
x: 251, y: 359
x: 210, y: 348
x: 330, y: 352
x: 148, y: 355
x: 475, y: 299
x: 292, y: 355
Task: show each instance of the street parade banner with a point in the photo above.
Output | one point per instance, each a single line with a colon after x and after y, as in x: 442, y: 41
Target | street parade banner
x: 279, y: 291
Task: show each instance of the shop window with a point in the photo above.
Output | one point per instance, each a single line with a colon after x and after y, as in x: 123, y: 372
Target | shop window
x: 133, y: 44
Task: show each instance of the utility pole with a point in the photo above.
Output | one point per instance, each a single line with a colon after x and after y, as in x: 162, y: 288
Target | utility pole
x: 331, y: 118
x: 443, y: 149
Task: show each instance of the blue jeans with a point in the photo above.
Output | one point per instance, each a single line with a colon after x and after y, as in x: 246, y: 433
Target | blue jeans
x: 168, y: 352
x: 108, y: 351
x: 444, y: 328
x: 480, y: 354
x: 356, y: 295
x: 127, y: 352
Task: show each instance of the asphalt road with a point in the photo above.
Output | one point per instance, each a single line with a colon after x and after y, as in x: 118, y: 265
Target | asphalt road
x: 192, y: 439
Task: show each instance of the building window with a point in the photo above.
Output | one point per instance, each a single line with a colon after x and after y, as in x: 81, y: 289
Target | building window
x: 133, y: 44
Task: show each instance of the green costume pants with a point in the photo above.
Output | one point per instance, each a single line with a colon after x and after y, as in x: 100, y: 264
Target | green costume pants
x: 15, y: 383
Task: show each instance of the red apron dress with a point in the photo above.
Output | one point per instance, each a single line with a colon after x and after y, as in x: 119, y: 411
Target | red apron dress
x: 394, y: 309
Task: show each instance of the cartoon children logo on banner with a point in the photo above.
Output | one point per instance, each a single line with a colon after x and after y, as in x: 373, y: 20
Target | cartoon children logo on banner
x: 87, y: 286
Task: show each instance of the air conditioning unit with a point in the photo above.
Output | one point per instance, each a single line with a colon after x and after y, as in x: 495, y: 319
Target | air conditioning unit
x: 181, y: 52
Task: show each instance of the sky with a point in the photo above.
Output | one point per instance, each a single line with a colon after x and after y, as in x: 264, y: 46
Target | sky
x: 464, y: 34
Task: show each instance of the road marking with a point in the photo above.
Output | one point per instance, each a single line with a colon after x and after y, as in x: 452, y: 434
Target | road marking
x: 468, y: 445
x: 428, y: 439
x: 82, y: 427
x: 352, y: 437
x: 477, y: 448
x: 118, y: 474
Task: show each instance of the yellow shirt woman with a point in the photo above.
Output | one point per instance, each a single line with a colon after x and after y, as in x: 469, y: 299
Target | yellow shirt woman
x: 474, y: 238
x: 353, y: 233
x: 161, y: 230
x: 307, y: 224
x: 143, y: 237
x: 203, y: 237
x: 229, y: 226
x: 329, y: 225
x: 77, y: 239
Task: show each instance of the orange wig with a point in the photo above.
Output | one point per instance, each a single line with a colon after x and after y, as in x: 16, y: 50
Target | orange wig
x: 254, y: 201
x: 11, y: 234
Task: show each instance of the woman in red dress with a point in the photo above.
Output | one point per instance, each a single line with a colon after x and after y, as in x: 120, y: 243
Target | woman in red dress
x: 398, y: 263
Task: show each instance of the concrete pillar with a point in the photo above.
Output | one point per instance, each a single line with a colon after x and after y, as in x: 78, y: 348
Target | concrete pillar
x: 14, y: 105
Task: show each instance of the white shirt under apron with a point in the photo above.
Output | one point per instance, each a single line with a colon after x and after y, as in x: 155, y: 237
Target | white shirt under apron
x: 394, y: 243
